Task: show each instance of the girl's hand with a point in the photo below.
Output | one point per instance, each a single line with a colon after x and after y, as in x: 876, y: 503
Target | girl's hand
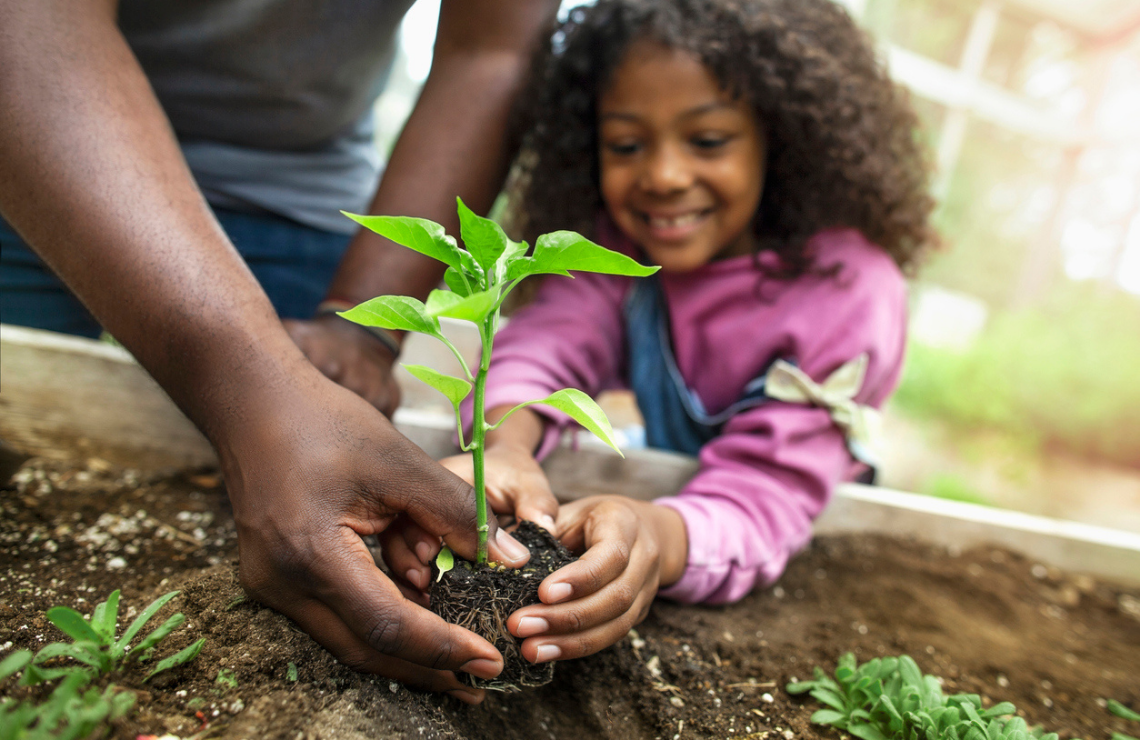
x: 631, y: 549
x: 515, y: 485
x: 515, y: 482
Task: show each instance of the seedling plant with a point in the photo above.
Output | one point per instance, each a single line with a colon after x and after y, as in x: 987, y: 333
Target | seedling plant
x: 890, y: 699
x: 73, y: 710
x: 480, y: 278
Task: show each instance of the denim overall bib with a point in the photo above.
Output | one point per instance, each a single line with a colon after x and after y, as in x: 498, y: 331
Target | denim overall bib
x: 675, y: 418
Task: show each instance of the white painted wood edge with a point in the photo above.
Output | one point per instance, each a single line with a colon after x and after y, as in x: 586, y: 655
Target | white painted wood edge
x: 66, y: 343
x: 649, y: 474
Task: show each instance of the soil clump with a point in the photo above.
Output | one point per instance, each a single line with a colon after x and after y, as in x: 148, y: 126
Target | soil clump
x: 986, y: 620
x: 482, y: 597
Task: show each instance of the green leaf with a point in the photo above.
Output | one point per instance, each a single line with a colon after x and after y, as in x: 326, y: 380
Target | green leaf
x: 158, y: 635
x: 454, y: 280
x: 141, y: 620
x: 865, y: 731
x: 582, y: 409
x: 474, y: 308
x: 829, y: 697
x: 444, y: 562
x: 828, y: 717
x: 456, y: 389
x: 291, y: 672
x: 121, y: 702
x: 483, y: 237
x: 800, y: 688
x: 1122, y: 711
x: 1122, y: 736
x: 562, y: 251
x: 419, y: 234
x: 182, y: 656
x: 106, y: 617
x: 73, y: 623
x: 1000, y: 710
x: 34, y: 674
x: 909, y: 671
x: 399, y: 312
x: 85, y: 652
x: 14, y: 662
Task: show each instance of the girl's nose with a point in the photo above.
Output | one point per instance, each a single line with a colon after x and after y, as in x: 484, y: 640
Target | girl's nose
x: 666, y: 171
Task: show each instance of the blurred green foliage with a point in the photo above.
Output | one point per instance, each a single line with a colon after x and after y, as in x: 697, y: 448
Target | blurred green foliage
x: 1063, y: 375
x: 953, y: 488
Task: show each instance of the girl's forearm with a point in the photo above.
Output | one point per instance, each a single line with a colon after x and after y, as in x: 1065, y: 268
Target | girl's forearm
x: 523, y: 430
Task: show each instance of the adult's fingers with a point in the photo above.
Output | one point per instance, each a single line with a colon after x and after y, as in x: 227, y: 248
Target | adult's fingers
x: 442, y: 503
x: 372, y: 607
x: 316, y: 618
x: 408, y: 552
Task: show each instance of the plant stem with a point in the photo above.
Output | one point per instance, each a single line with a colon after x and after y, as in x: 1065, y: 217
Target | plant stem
x: 479, y: 436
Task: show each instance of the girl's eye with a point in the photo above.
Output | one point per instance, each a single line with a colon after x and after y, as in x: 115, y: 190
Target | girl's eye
x: 709, y: 142
x: 623, y: 148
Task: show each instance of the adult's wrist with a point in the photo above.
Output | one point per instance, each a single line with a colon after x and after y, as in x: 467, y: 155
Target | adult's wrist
x: 331, y: 308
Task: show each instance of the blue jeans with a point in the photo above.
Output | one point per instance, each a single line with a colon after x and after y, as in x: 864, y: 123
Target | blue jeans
x: 293, y: 263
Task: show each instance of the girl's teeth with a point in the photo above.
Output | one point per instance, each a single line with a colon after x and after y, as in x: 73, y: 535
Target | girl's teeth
x: 665, y: 223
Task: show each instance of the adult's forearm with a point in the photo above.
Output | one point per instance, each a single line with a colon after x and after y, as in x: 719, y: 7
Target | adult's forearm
x: 92, y: 177
x: 456, y: 141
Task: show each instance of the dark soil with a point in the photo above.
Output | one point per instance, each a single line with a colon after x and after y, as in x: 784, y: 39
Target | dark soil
x: 481, y: 597
x: 986, y: 620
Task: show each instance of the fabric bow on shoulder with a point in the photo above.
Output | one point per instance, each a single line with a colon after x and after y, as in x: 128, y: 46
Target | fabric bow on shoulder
x: 860, y: 424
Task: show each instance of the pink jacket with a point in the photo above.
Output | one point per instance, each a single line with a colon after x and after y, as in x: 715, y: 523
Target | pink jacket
x: 774, y: 467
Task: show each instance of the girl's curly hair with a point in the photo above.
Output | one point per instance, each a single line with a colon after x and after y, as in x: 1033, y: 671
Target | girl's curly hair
x: 841, y: 136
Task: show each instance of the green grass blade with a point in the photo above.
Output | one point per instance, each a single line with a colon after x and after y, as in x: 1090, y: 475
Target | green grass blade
x: 142, y: 619
x: 159, y: 634
x: 14, y: 662
x: 87, y: 653
x: 73, y: 624
x: 182, y: 656
x: 106, y: 621
x: 1122, y: 711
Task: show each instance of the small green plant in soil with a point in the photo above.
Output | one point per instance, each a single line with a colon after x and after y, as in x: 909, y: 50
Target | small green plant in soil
x: 73, y: 708
x: 1123, y: 712
x: 480, y: 278
x: 890, y: 699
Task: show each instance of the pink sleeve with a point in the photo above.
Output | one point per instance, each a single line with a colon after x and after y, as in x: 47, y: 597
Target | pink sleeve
x: 774, y: 468
x: 570, y: 336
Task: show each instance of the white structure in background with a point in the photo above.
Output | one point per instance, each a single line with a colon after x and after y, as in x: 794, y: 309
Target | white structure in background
x: 946, y: 319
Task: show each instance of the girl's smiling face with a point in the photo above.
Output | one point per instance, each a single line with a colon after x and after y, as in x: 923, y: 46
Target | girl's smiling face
x: 682, y: 160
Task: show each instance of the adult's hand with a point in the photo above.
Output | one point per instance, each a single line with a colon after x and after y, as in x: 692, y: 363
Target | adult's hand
x: 346, y: 354
x: 320, y: 470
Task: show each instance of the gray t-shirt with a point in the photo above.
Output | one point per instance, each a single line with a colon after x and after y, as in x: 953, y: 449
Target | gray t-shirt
x: 271, y: 99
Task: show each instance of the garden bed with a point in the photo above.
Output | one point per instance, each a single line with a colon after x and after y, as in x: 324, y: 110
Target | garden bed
x: 985, y: 619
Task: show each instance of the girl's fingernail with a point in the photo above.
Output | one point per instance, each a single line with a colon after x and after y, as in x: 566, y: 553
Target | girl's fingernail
x: 547, y: 652
x: 547, y: 522
x: 423, y: 552
x: 511, y: 547
x: 558, y: 592
x: 532, y: 626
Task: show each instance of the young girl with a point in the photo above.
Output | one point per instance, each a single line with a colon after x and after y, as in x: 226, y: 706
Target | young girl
x: 757, y: 152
